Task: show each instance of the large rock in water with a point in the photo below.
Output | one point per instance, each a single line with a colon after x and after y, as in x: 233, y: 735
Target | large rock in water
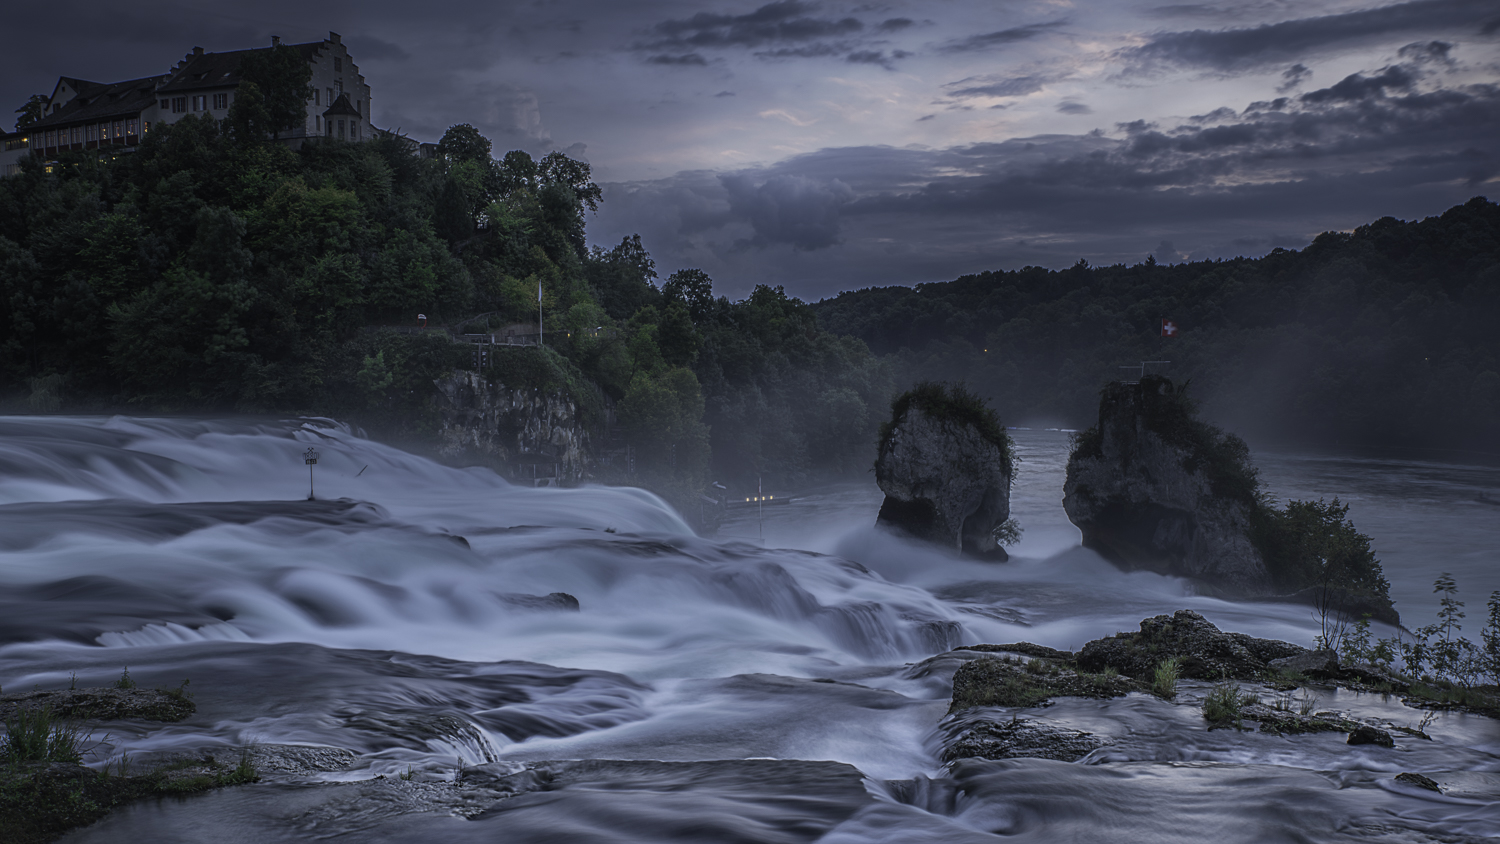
x: 946, y: 477
x: 1143, y: 497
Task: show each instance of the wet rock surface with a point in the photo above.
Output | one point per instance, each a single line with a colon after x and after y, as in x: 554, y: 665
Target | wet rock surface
x: 1017, y: 682
x: 1017, y: 738
x: 1205, y: 651
x: 1419, y: 781
x: 944, y: 482
x: 1366, y: 734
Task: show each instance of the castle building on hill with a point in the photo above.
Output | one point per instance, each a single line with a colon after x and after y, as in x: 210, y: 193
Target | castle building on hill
x: 83, y: 115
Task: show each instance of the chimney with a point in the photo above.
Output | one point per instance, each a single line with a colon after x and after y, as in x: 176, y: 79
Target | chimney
x: 197, y: 51
x: 334, y: 37
x: 275, y: 40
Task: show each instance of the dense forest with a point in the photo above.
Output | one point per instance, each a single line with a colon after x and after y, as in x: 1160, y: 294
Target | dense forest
x: 216, y: 269
x: 1384, y: 336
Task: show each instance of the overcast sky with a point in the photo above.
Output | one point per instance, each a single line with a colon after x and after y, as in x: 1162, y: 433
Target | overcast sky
x: 829, y: 146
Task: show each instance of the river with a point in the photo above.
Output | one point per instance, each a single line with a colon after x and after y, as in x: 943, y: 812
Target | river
x: 397, y: 655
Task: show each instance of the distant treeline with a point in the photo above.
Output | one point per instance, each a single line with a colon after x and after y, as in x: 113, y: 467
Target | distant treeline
x: 215, y: 269
x: 1385, y: 336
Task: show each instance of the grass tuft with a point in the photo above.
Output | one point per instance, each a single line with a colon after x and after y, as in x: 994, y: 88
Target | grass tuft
x: 1164, y: 681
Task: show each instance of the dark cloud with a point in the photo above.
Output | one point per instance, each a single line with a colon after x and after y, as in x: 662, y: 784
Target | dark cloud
x: 786, y: 20
x: 806, y: 51
x: 1358, y: 87
x: 1000, y: 38
x: 894, y: 24
x: 724, y: 94
x: 1231, y: 49
x: 686, y: 59
x: 789, y: 209
x: 991, y: 86
x: 1215, y: 116
x: 1224, y: 185
x: 1070, y: 107
x: 1292, y: 77
x: 1429, y: 52
x: 880, y: 57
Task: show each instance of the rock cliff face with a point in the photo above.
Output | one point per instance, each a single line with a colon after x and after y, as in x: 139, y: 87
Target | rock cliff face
x: 530, y: 435
x: 1144, y: 502
x: 944, y: 482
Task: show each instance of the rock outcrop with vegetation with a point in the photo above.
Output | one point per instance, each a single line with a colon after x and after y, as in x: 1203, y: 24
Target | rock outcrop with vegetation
x: 1153, y: 487
x: 1203, y: 651
x: 945, y: 465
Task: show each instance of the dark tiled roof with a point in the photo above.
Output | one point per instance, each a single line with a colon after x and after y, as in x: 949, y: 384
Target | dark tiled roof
x: 221, y: 70
x: 97, y: 101
x: 341, y: 107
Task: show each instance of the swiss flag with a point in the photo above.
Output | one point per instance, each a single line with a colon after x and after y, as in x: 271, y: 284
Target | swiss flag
x: 1168, y: 328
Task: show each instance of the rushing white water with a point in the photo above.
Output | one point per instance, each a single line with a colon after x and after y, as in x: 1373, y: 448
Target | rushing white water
x: 410, y: 616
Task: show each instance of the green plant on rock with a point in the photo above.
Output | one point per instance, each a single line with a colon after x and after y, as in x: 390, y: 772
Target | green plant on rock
x: 1225, y: 705
x: 1164, y: 680
x: 125, y: 682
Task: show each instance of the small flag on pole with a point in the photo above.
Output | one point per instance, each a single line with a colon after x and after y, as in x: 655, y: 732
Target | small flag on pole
x: 1168, y: 328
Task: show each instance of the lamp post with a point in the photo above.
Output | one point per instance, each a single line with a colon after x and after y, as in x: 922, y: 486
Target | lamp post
x: 310, y: 457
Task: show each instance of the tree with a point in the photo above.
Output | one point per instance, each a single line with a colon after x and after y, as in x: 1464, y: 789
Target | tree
x: 31, y: 112
x: 273, y: 93
x: 463, y: 142
x: 693, y: 288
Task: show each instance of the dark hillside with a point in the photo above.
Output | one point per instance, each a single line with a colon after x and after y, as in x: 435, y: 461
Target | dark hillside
x: 1386, y: 335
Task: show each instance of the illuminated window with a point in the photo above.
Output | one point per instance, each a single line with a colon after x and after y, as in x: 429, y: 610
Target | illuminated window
x: 132, y: 126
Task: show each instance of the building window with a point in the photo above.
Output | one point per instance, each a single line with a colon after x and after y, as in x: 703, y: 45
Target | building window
x: 338, y: 65
x: 179, y: 105
x: 319, y: 124
x: 132, y: 126
x: 317, y: 97
x: 91, y: 132
x: 221, y: 101
x: 338, y: 88
x: 330, y: 96
x: 51, y: 138
x: 165, y: 104
x: 341, y: 130
x: 119, y: 128
x: 197, y: 103
x: 330, y: 128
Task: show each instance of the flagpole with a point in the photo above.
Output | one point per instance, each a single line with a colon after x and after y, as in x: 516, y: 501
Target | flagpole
x: 539, y: 335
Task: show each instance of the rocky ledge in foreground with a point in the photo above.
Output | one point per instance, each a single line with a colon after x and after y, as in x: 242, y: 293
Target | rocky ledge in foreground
x: 102, y: 704
x: 945, y: 466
